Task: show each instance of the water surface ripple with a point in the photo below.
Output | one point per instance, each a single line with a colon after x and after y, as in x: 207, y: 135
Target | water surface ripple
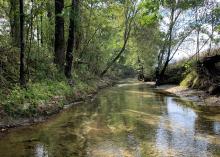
x: 129, y: 120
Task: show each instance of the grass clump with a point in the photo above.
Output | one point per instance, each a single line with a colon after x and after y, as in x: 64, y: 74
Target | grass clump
x: 25, y: 101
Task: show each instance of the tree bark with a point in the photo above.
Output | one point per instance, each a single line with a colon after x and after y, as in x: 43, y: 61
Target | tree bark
x: 38, y: 33
x: 22, y: 45
x: 59, y: 48
x: 41, y: 30
x: 14, y: 21
x: 71, y: 39
x: 115, y: 59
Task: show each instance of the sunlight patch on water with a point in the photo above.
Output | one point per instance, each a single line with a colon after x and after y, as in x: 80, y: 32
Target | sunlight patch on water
x: 180, y: 139
x: 109, y: 149
x: 217, y: 127
x: 133, y: 121
x: 40, y: 150
x: 130, y: 84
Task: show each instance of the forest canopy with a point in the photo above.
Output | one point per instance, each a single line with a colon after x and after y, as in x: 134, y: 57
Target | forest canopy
x: 72, y: 38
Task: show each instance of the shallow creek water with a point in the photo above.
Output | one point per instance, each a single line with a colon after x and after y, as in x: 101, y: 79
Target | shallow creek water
x: 128, y: 120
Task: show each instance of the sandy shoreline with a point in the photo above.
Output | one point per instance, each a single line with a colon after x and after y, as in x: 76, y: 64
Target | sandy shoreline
x: 199, y: 96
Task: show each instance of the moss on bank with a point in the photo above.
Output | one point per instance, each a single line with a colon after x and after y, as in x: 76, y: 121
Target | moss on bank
x: 198, y: 78
x: 190, y: 80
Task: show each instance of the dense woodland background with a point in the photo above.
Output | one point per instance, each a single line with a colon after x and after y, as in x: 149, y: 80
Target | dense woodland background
x: 60, y: 47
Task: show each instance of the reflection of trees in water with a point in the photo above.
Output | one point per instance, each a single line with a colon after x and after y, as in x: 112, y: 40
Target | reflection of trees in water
x: 176, y: 132
x: 66, y: 137
x: 207, y: 124
x: 160, y: 97
x: 182, y: 129
x: 203, y: 122
x: 130, y: 118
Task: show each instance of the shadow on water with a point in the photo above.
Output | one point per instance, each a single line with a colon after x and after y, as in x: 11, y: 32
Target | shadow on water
x: 130, y: 120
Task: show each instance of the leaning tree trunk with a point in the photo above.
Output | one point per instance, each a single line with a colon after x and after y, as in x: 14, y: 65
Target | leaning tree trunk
x: 115, y: 59
x: 129, y: 17
x: 71, y: 38
x: 162, y: 73
x: 22, y: 46
x: 59, y: 56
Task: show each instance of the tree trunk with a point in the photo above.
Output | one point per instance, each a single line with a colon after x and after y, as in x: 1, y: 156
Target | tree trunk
x: 59, y: 56
x: 14, y: 21
x: 38, y: 33
x: 71, y: 39
x: 41, y: 30
x: 115, y: 59
x: 22, y: 45
x: 49, y: 37
x: 49, y: 10
x: 162, y: 73
x: 31, y: 39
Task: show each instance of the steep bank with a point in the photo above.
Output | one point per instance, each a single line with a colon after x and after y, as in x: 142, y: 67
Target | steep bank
x: 194, y: 79
x: 204, y: 76
x: 201, y: 97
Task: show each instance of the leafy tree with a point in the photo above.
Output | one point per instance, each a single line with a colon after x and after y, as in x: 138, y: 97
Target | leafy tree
x: 130, y: 13
x: 170, y: 45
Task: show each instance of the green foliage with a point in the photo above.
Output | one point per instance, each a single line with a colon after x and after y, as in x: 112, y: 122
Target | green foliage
x: 25, y: 101
x: 149, y: 10
x: 100, y: 35
x: 216, y: 15
x: 187, y: 4
x: 30, y: 101
x: 181, y: 4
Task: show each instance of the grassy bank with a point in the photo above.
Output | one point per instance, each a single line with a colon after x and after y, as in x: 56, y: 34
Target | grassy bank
x: 47, y: 89
x: 28, y: 101
x: 45, y: 98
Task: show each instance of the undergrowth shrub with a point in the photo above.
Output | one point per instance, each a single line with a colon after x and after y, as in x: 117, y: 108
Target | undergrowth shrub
x: 25, y: 102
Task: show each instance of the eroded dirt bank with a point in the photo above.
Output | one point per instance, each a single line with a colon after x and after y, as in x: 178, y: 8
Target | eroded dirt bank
x: 201, y: 97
